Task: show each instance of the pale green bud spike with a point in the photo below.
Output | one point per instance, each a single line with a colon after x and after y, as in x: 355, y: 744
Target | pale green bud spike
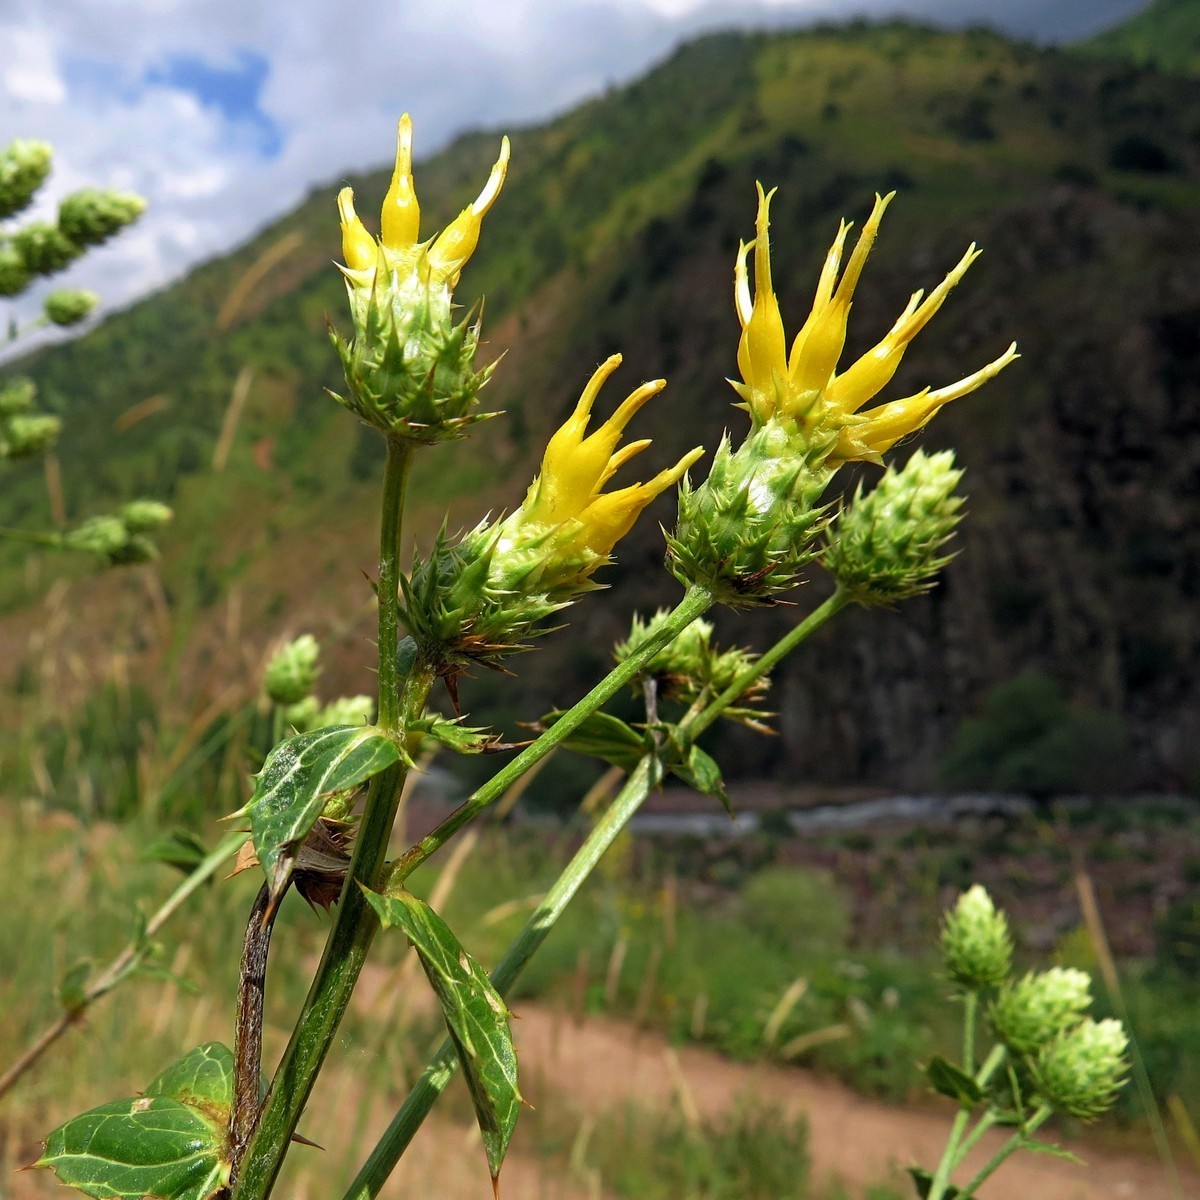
x: 69, y: 306
x: 886, y: 546
x: 1081, y: 1071
x: 976, y: 946
x: 144, y: 516
x: 92, y: 215
x: 291, y: 674
x: 15, y: 275
x: 24, y: 165
x: 26, y: 435
x: 17, y: 395
x: 45, y: 248
x: 1029, y: 1014
x: 106, y: 537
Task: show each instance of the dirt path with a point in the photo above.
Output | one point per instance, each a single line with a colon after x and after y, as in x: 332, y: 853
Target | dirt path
x: 858, y: 1140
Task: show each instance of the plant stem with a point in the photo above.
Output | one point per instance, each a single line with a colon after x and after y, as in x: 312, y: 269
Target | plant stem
x: 952, y: 1155
x: 126, y: 961
x: 375, y: 1171
x: 54, y: 540
x: 645, y: 776
x: 1013, y: 1144
x: 971, y: 1007
x: 247, y: 1039
x: 355, y: 926
x: 767, y: 661
x: 696, y: 600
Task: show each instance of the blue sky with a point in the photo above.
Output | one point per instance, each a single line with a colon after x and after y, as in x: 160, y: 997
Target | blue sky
x: 225, y: 113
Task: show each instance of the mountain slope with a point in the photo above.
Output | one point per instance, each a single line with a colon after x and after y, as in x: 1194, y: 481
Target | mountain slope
x: 1166, y: 34
x: 1081, y: 554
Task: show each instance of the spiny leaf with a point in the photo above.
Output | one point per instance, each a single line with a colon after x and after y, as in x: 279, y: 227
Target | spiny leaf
x: 952, y: 1081
x: 923, y: 1181
x: 171, y: 1142
x: 475, y: 1013
x: 295, y: 780
x: 606, y: 737
x: 1049, y: 1148
x: 700, y: 771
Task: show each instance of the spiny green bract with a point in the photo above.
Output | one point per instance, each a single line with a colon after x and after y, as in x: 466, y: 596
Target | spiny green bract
x: 409, y: 368
x: 885, y: 546
x: 476, y: 600
x: 1031, y: 1013
x: 746, y: 532
x: 1081, y: 1071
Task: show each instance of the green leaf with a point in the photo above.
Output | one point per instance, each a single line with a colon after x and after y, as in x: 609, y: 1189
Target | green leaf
x: 700, y: 771
x: 296, y: 779
x: 171, y: 1142
x: 1050, y: 1148
x: 475, y: 1013
x: 923, y: 1181
x: 952, y: 1081
x: 606, y: 737
x: 181, y: 848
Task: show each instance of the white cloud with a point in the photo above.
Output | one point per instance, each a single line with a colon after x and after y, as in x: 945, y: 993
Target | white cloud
x: 79, y: 75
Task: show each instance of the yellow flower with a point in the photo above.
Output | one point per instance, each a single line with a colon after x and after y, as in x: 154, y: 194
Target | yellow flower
x: 566, y: 496
x: 439, y: 260
x: 802, y: 386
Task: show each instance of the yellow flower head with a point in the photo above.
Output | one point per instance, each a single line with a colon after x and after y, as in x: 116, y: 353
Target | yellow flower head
x: 566, y: 494
x: 440, y: 259
x: 802, y: 385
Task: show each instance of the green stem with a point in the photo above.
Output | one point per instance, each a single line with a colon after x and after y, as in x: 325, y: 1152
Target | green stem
x: 646, y: 775
x: 1010, y: 1147
x: 355, y: 925
x: 696, y: 601
x: 971, y: 1008
x: 969, y: 1142
x: 54, y: 540
x: 375, y: 1171
x: 767, y: 661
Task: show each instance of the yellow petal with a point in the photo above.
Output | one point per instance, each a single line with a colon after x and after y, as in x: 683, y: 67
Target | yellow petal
x: 824, y: 294
x: 400, y: 220
x: 358, y: 246
x: 761, y: 351
x: 456, y: 243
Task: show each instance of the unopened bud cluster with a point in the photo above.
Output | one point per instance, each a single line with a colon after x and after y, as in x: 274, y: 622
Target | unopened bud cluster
x: 886, y: 546
x: 85, y: 218
x: 692, y: 665
x: 124, y: 539
x: 477, y: 599
x: 409, y: 366
x: 309, y: 714
x: 23, y: 432
x: 1077, y: 1064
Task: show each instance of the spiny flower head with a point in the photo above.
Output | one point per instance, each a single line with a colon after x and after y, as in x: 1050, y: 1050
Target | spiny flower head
x: 1082, y: 1070
x: 1029, y: 1014
x: 476, y: 599
x: 409, y: 367
x: 291, y: 674
x: 801, y: 385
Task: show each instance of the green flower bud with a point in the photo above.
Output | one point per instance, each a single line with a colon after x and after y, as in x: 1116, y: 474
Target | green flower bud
x: 103, y: 536
x: 410, y: 370
x: 15, y: 275
x: 746, y: 532
x: 45, y: 248
x: 17, y: 395
x: 26, y: 435
x: 69, y: 306
x: 144, y: 516
x: 303, y: 716
x: 885, y: 546
x: 291, y: 675
x: 92, y: 215
x: 1031, y: 1013
x: 347, y: 710
x: 24, y: 165
x: 1081, y: 1071
x: 976, y: 946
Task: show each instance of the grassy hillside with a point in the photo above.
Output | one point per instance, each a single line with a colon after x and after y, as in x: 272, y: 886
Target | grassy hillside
x: 1166, y: 34
x: 1080, y: 178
